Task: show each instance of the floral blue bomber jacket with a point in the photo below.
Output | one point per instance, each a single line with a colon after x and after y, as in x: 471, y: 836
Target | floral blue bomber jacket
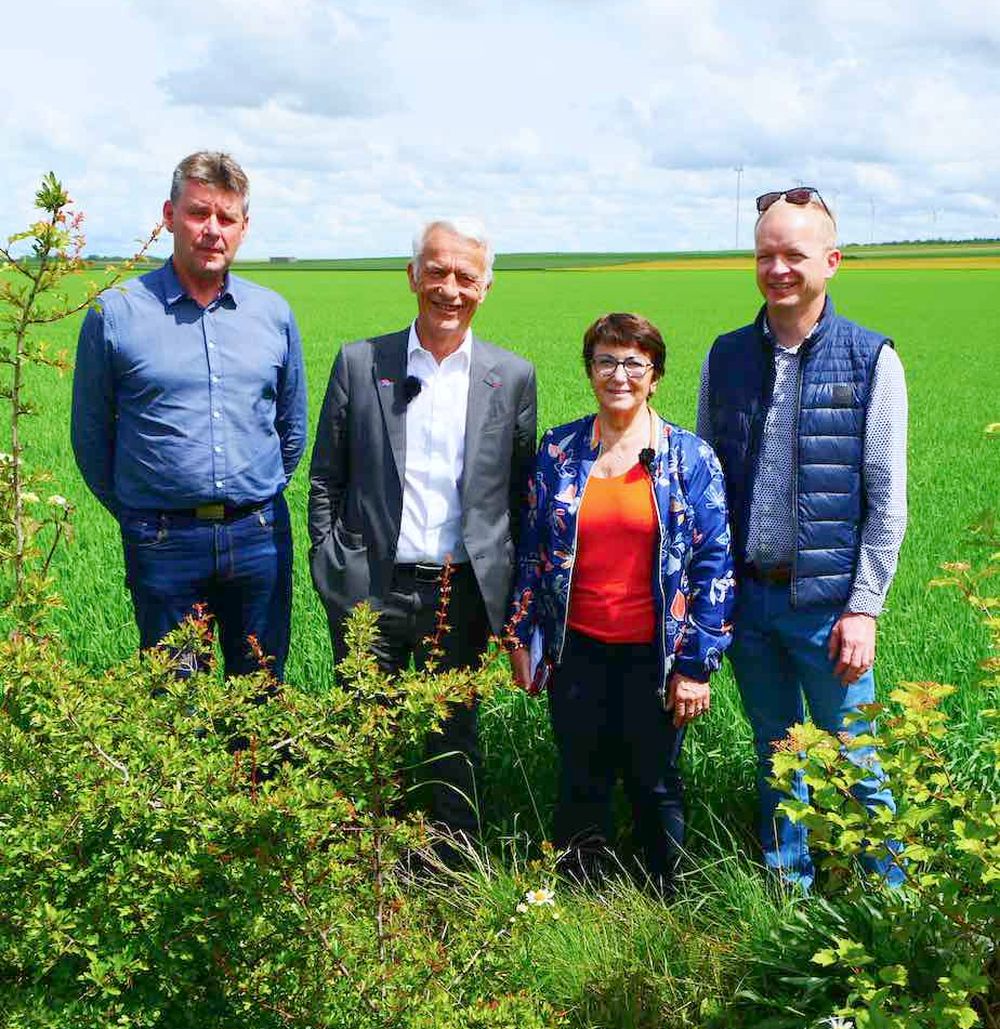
x: 693, y: 579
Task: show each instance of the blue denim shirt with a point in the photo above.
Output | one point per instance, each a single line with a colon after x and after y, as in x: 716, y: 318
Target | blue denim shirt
x: 175, y: 405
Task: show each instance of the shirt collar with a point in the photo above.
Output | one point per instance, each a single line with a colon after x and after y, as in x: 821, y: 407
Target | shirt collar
x: 232, y: 287
x: 826, y: 318
x: 413, y: 344
x: 173, y: 291
x: 172, y: 288
x: 769, y: 336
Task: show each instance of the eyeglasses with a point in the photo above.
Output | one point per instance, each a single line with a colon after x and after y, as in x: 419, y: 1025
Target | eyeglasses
x: 604, y: 366
x: 465, y: 278
x: 800, y: 196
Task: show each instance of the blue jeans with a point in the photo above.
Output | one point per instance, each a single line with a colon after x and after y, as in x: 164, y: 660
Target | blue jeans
x: 779, y: 655
x: 240, y: 569
x: 607, y: 718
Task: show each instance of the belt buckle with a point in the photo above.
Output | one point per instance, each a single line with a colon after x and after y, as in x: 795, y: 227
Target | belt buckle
x: 210, y: 512
x: 427, y: 573
x: 776, y: 575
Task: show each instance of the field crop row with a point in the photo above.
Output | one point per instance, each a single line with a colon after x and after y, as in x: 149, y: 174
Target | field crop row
x: 945, y: 327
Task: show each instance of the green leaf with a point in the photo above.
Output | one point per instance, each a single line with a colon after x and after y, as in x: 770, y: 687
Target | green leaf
x: 52, y: 197
x: 825, y: 957
x: 894, y: 974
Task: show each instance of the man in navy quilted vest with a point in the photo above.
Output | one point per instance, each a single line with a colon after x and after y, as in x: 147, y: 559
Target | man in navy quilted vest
x: 807, y: 413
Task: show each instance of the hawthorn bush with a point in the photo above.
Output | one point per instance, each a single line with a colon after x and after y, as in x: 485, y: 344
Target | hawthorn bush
x: 192, y: 852
x: 927, y: 954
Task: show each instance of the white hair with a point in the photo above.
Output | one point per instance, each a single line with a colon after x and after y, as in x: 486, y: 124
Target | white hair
x: 471, y: 229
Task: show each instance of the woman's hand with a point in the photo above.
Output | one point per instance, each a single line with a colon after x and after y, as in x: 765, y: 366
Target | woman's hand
x: 520, y: 664
x: 687, y: 698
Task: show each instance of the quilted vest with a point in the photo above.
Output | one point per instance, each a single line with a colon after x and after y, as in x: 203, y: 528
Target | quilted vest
x: 828, y: 501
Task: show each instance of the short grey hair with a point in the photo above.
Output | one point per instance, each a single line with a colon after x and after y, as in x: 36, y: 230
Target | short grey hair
x: 471, y: 229
x: 213, y: 168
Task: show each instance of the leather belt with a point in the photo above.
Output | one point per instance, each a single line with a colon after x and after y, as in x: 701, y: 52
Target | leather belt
x: 218, y: 512
x: 420, y: 572
x: 773, y: 575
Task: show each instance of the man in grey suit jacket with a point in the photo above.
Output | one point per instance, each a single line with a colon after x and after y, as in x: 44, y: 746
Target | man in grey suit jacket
x: 423, y: 450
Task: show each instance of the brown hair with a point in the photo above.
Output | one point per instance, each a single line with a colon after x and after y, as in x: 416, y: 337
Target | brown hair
x: 214, y: 168
x: 626, y: 330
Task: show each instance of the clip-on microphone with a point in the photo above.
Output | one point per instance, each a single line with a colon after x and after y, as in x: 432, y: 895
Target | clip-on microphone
x: 648, y: 454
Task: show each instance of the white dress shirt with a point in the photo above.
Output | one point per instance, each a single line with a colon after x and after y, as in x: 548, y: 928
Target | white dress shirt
x: 431, y: 527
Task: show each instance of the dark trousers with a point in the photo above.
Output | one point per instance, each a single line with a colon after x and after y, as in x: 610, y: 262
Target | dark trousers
x: 447, y: 790
x: 607, y: 719
x: 240, y: 569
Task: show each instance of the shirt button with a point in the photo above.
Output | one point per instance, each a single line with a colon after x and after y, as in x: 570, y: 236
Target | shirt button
x: 218, y: 484
x: 215, y: 378
x: 218, y: 450
x: 215, y: 414
x: 211, y: 344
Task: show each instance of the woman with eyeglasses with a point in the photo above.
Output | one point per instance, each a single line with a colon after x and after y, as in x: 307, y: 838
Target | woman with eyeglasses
x: 624, y: 591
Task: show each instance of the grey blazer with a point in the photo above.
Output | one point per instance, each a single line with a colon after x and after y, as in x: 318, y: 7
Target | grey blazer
x: 359, y: 459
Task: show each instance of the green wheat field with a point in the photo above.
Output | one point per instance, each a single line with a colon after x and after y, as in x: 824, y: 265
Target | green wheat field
x: 946, y: 324
x: 622, y: 958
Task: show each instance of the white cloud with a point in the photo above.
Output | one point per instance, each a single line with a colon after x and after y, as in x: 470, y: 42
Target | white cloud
x: 303, y: 57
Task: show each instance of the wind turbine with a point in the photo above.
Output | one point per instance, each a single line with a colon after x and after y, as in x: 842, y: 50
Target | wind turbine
x: 739, y: 176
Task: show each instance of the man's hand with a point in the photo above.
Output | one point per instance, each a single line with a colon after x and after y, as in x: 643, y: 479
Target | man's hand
x: 852, y: 646
x: 520, y: 665
x: 687, y: 698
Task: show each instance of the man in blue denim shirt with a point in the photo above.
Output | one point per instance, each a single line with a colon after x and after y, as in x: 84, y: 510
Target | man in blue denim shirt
x: 189, y: 417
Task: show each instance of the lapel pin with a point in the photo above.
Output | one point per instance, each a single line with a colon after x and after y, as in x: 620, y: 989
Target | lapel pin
x: 385, y: 382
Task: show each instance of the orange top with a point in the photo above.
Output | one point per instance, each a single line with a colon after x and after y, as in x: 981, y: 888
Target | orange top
x: 612, y: 593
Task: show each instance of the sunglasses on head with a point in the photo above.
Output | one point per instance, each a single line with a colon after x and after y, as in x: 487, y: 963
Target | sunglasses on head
x: 800, y: 196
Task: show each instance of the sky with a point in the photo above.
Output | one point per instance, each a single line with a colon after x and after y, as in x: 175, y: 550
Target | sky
x: 566, y: 125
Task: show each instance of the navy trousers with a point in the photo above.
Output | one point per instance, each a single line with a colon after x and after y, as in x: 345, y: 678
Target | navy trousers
x: 447, y: 786
x: 608, y: 719
x: 240, y: 569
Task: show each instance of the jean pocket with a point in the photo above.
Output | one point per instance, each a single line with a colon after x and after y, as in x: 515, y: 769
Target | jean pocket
x: 144, y: 531
x: 271, y: 519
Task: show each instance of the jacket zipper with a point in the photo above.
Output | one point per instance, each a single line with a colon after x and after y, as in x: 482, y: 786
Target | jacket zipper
x: 754, y: 451
x: 797, y: 443
x: 663, y: 594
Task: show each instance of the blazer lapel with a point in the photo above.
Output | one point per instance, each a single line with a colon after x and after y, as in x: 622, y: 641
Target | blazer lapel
x: 483, y: 381
x: 389, y: 372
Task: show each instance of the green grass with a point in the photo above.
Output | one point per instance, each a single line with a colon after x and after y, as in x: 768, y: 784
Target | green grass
x: 945, y: 327
x: 944, y: 324
x: 504, y: 262
x: 936, y: 248
x: 543, y: 261
x: 616, y: 955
